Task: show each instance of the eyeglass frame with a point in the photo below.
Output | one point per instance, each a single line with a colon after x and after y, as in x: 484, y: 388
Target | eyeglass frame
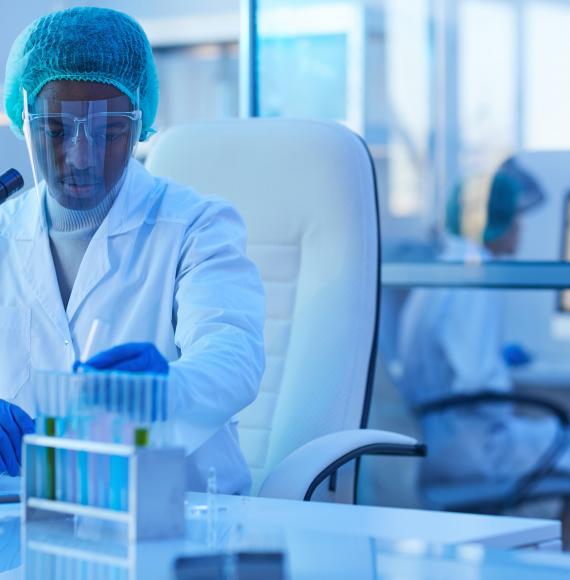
x: 135, y: 115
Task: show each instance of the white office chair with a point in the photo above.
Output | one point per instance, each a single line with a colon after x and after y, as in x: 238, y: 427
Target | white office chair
x: 307, y: 193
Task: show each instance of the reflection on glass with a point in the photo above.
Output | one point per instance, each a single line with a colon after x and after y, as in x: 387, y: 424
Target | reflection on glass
x: 313, y: 86
x: 440, y: 91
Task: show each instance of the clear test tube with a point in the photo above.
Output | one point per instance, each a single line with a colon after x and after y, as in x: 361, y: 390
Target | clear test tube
x: 95, y: 385
x: 41, y: 395
x: 122, y: 433
x: 116, y: 469
x: 160, y: 410
x: 101, y: 431
x: 84, y: 415
x: 140, y: 431
x: 71, y: 431
x: 49, y: 429
x: 148, y: 409
x: 61, y: 385
x: 212, y: 501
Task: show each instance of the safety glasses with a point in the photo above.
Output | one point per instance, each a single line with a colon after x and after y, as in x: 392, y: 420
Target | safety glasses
x: 80, y: 148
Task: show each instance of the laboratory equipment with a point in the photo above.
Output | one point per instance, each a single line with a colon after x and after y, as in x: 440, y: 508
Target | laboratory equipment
x: 10, y: 182
x: 102, y: 450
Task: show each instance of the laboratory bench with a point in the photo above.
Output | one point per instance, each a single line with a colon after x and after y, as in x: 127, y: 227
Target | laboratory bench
x: 318, y: 540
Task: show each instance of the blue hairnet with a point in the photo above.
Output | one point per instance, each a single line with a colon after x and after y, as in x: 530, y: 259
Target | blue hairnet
x: 513, y: 191
x: 502, y: 206
x: 82, y: 44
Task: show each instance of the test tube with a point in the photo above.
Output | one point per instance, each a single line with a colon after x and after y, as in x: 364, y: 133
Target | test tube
x: 41, y: 391
x: 97, y: 338
x: 92, y: 434
x: 115, y: 462
x: 119, y: 468
x: 50, y: 460
x: 84, y: 431
x: 212, y: 500
x: 60, y: 384
x: 159, y: 411
x: 51, y: 385
x: 73, y: 431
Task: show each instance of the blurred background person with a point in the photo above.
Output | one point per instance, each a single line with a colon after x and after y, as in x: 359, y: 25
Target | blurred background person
x: 451, y: 343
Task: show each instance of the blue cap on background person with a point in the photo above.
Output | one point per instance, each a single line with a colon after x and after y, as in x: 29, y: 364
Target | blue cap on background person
x: 512, y: 191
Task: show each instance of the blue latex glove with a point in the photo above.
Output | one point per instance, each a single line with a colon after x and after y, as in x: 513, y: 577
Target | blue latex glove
x: 14, y: 424
x: 135, y: 357
x: 515, y: 355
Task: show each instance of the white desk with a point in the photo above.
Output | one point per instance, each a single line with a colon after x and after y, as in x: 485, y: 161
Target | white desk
x: 394, y: 524
x: 322, y: 540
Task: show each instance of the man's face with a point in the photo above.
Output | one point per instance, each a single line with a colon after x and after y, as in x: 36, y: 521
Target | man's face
x: 81, y: 146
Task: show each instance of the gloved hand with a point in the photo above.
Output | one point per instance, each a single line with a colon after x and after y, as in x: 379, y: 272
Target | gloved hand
x: 515, y: 355
x: 14, y: 424
x: 136, y: 357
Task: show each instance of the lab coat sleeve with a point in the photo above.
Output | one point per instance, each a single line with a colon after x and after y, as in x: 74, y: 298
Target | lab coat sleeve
x: 219, y: 311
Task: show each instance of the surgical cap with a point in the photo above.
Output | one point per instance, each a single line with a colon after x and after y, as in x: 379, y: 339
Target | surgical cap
x: 82, y: 44
x: 502, y: 206
x: 512, y: 192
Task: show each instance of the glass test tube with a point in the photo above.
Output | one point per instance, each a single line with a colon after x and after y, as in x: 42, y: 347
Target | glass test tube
x: 119, y: 468
x: 61, y: 385
x: 212, y: 515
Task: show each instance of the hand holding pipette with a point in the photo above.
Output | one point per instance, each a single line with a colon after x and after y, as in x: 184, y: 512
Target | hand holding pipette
x: 98, y: 333
x: 132, y: 357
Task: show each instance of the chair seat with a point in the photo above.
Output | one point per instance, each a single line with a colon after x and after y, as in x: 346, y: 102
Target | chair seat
x: 474, y: 496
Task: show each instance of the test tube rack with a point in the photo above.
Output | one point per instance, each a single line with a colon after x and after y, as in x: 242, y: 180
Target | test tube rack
x: 57, y: 546
x: 155, y: 481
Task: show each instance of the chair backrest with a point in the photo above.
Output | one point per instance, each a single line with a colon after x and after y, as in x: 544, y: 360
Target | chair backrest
x: 307, y: 193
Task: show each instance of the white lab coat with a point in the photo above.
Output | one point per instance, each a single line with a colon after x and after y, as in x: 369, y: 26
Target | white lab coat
x: 450, y: 343
x: 166, y: 266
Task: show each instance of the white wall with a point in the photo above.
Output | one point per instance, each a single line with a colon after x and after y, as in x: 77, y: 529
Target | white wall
x: 16, y: 15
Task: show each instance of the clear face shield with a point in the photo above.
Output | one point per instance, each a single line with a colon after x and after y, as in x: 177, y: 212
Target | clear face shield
x: 81, y: 149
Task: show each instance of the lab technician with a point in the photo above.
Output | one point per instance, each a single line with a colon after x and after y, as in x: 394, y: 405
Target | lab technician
x: 101, y: 238
x: 451, y: 343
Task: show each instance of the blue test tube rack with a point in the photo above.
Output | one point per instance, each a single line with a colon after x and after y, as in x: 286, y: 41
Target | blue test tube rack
x: 154, y: 480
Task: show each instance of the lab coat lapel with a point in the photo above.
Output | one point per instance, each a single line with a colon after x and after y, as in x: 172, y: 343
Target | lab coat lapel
x: 32, y: 245
x: 128, y: 212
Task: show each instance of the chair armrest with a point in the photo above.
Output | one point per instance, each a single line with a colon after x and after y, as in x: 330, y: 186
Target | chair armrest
x: 545, y: 464
x: 303, y: 470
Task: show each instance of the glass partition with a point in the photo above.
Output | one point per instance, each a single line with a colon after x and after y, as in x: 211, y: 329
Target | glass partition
x: 463, y: 105
x: 465, y: 108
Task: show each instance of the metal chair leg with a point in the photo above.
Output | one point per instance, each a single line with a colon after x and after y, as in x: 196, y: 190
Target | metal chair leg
x: 565, y: 520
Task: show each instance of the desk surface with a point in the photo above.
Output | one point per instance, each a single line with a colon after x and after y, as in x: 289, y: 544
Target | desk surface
x: 394, y: 523
x: 322, y: 540
x: 541, y: 373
